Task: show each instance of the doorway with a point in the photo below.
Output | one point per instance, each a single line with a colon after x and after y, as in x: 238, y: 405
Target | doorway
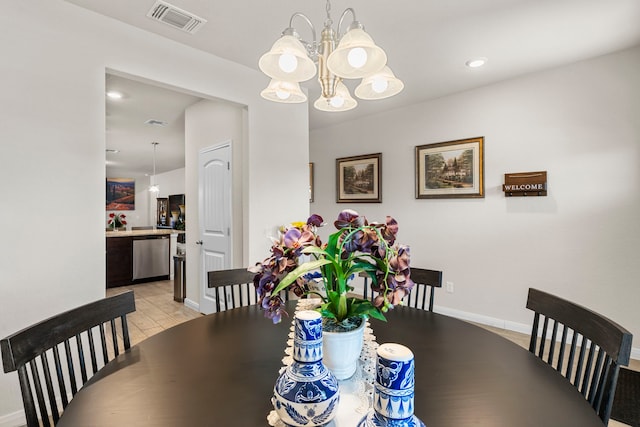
x: 211, y: 119
x: 215, y: 205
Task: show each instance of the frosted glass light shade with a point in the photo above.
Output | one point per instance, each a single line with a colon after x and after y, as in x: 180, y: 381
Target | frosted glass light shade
x: 286, y: 92
x: 355, y: 45
x: 341, y: 101
x: 380, y: 85
x: 287, y: 60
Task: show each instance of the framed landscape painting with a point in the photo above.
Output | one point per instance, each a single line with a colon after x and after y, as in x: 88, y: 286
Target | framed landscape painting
x: 359, y: 179
x: 450, y: 169
x: 121, y: 194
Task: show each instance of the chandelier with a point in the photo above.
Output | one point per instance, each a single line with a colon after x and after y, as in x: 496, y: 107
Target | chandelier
x: 352, y: 55
x: 154, y: 188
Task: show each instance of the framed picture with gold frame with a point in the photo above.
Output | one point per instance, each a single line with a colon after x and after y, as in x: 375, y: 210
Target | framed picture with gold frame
x: 451, y: 169
x: 359, y: 179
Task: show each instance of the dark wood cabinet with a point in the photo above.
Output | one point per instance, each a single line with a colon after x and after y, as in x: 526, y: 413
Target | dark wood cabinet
x: 119, y: 261
x: 162, y: 211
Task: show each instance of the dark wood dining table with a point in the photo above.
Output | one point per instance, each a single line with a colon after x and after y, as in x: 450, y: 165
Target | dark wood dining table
x: 219, y: 370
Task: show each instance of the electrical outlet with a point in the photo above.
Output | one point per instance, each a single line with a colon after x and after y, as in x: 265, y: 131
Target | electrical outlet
x: 449, y: 287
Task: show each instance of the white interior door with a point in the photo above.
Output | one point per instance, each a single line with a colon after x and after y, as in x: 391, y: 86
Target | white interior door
x: 214, y: 166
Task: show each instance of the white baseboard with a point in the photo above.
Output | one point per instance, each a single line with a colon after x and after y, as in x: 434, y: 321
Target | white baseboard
x: 190, y: 304
x: 484, y: 320
x: 15, y: 419
x: 501, y: 323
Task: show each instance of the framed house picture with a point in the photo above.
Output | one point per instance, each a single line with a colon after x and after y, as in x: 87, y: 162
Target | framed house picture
x: 452, y: 169
x: 359, y: 179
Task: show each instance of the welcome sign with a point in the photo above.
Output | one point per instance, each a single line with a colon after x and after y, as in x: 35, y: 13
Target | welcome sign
x: 523, y: 184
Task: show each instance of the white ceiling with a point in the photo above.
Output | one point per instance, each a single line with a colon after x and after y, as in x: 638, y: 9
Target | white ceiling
x: 127, y: 132
x: 427, y: 41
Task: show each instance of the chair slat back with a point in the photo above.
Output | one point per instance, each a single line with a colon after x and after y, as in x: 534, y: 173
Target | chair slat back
x: 34, y: 353
x: 234, y: 288
x: 423, y: 292
x: 597, y: 347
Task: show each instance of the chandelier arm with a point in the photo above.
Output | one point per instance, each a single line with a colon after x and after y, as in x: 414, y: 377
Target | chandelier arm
x: 312, y: 48
x: 354, y: 22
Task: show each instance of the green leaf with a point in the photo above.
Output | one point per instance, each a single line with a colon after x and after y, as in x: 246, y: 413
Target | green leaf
x: 377, y: 314
x: 314, y: 250
x: 299, y: 271
x: 332, y: 244
x: 359, y: 265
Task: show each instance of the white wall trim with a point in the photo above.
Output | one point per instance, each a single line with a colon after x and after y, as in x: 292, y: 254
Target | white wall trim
x: 192, y: 304
x: 484, y: 320
x: 13, y: 419
x: 500, y: 323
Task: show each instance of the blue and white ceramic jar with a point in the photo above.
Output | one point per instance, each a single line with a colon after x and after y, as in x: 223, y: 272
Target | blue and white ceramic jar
x: 394, y: 389
x: 306, y: 393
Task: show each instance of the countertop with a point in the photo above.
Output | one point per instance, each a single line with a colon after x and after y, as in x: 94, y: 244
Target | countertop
x: 133, y: 233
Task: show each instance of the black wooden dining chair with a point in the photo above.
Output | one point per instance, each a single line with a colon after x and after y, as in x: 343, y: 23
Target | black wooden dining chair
x: 626, y: 403
x: 234, y: 288
x: 597, y: 347
x: 65, y: 344
x: 423, y: 292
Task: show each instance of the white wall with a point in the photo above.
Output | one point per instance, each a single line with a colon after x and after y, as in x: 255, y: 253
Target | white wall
x: 170, y: 183
x: 52, y: 173
x: 210, y: 123
x: 579, y: 123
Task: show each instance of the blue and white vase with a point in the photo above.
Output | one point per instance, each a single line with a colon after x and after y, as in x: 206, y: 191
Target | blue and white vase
x: 394, y: 389
x: 306, y: 393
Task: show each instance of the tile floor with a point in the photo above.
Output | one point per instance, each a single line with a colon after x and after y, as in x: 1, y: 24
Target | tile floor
x: 156, y: 310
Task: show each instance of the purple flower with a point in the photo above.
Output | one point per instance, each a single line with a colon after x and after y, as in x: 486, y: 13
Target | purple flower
x: 400, y: 262
x: 315, y: 220
x: 273, y: 308
x: 264, y: 283
x: 297, y: 240
x: 349, y: 218
x: 356, y: 246
x: 390, y: 230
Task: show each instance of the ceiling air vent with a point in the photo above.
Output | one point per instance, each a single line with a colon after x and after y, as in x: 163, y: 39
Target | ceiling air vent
x: 154, y: 122
x: 176, y: 17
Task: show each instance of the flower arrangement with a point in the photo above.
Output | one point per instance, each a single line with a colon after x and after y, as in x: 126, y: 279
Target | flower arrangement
x: 357, y: 246
x: 117, y: 220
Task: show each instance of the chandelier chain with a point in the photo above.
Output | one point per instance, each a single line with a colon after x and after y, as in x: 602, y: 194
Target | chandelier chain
x: 328, y: 22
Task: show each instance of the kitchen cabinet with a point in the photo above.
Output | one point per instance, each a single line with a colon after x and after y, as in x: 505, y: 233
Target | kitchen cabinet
x: 162, y: 211
x: 119, y: 261
x: 138, y: 256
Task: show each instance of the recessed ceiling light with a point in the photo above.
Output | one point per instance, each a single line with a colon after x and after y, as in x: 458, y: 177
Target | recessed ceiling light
x: 476, y: 62
x: 114, y: 95
x: 111, y: 150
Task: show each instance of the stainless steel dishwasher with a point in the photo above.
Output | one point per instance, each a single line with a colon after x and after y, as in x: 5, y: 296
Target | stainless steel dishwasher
x: 150, y: 256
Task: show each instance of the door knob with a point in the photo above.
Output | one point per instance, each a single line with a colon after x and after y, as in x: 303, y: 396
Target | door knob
x: 199, y: 242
